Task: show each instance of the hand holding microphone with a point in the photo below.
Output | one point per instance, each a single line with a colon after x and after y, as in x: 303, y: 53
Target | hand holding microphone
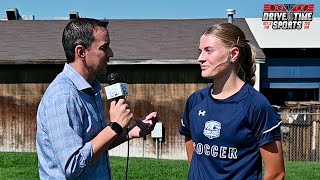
x: 120, y: 113
x: 116, y: 92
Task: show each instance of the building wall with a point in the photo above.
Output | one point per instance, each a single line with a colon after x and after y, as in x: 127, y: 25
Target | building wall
x: 169, y: 101
x: 18, y: 105
x: 21, y: 88
x: 161, y: 88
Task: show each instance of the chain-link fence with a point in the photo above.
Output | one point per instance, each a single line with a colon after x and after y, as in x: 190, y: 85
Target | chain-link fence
x: 300, y: 136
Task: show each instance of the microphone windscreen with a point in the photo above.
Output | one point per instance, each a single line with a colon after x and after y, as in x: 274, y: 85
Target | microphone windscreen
x: 113, y: 78
x: 116, y: 88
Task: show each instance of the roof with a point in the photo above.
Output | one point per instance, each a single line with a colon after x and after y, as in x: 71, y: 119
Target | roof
x: 132, y: 41
x: 269, y: 38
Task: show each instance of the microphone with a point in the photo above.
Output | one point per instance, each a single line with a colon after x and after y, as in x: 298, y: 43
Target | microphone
x: 116, y: 88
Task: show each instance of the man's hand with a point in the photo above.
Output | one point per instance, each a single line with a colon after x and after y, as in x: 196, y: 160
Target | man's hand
x: 143, y: 127
x: 120, y: 113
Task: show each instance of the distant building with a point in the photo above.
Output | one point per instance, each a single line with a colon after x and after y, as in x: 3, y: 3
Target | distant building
x: 291, y: 71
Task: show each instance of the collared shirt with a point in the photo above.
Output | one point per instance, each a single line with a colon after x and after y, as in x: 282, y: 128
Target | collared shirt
x: 69, y: 116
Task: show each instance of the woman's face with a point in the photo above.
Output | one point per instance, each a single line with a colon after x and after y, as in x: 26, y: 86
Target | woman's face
x: 213, y: 57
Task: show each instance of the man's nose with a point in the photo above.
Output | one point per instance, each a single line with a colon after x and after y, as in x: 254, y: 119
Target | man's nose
x: 110, y: 52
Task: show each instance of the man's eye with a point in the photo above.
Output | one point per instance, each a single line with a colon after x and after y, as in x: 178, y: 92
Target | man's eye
x: 104, y: 48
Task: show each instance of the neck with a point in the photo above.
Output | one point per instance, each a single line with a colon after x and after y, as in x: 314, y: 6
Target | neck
x: 226, y: 86
x: 83, y: 72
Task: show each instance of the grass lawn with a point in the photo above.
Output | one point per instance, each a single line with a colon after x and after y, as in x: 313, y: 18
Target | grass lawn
x: 24, y: 166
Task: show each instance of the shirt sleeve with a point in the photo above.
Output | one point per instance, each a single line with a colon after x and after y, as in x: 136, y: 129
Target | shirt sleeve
x: 185, y: 121
x: 64, y: 128
x: 265, y: 121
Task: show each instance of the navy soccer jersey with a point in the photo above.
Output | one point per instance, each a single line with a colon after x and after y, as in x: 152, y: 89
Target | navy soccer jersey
x: 227, y: 134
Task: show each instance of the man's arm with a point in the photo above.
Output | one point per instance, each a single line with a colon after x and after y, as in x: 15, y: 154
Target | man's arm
x: 123, y: 137
x: 119, y: 112
x: 62, y: 123
x: 272, y: 156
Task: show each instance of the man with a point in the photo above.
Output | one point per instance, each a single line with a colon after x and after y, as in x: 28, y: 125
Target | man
x: 72, y: 134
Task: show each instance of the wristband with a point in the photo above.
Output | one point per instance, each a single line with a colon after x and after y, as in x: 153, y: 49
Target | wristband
x: 116, y: 127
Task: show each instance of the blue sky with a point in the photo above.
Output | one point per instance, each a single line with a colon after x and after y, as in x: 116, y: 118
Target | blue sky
x: 144, y: 9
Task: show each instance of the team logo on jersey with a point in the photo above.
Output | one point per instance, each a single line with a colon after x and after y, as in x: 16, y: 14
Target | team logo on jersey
x: 212, y: 129
x: 201, y: 113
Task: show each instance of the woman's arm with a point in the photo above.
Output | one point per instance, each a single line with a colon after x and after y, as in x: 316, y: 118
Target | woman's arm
x: 272, y: 156
x: 189, y: 148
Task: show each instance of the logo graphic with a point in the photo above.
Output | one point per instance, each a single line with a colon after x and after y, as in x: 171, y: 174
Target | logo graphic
x: 212, y: 129
x: 201, y: 113
x: 287, y: 16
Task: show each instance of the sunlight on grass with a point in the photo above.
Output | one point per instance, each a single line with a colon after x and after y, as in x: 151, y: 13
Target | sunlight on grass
x: 16, y: 166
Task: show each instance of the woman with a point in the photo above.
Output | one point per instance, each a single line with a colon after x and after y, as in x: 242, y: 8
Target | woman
x: 229, y: 127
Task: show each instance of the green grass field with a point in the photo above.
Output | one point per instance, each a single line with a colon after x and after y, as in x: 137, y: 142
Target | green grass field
x: 24, y: 166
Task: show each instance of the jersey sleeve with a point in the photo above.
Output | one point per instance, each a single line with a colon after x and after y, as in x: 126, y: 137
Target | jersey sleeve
x: 265, y: 121
x: 185, y: 121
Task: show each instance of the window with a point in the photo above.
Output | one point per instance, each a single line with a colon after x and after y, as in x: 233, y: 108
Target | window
x: 280, y: 96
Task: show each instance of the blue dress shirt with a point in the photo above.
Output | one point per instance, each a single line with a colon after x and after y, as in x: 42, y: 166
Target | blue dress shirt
x: 69, y: 116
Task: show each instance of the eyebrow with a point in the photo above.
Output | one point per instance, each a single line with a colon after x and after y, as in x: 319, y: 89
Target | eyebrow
x: 208, y: 48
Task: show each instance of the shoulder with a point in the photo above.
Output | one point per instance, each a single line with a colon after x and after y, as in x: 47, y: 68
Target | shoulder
x: 257, y: 104
x: 253, y: 102
x: 60, y: 86
x: 259, y: 100
x: 199, y: 95
x: 255, y: 98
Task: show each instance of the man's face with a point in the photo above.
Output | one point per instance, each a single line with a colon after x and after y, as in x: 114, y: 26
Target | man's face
x: 98, y: 54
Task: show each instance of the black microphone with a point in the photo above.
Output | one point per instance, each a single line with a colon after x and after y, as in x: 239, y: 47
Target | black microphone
x: 116, y: 89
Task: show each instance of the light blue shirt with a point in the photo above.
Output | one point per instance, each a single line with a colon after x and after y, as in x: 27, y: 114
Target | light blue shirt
x: 69, y: 116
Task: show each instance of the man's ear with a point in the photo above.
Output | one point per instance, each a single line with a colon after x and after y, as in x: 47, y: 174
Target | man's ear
x: 80, y: 51
x: 234, y: 54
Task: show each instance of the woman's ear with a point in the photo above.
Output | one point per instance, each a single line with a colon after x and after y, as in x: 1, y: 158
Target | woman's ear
x: 234, y: 54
